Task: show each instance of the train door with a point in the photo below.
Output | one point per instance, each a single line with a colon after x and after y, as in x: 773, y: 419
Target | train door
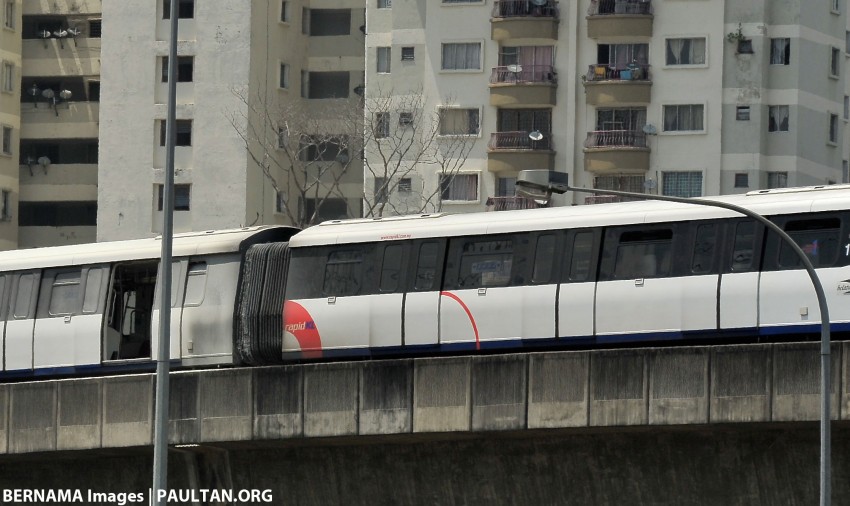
x: 739, y: 283
x: 577, y: 291
x: 208, y: 308
x: 483, y: 292
x: 422, y: 299
x: 178, y: 286
x: 127, y: 331
x: 5, y: 289
x: 786, y: 295
x: 69, y: 317
x: 21, y: 320
x: 657, y: 279
x: 386, y: 305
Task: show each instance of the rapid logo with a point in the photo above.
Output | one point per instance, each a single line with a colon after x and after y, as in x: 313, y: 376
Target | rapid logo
x: 844, y: 287
x: 298, y: 322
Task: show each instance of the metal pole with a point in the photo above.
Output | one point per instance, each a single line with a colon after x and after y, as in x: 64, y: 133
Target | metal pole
x: 160, y: 444
x: 825, y: 437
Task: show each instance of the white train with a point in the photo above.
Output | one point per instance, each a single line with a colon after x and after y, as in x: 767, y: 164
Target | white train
x: 94, y: 307
x: 632, y: 271
x: 635, y: 271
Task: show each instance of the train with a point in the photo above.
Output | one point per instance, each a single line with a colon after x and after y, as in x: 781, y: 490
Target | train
x: 597, y: 275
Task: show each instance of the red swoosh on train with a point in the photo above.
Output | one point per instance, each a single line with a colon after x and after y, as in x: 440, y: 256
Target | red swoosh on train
x: 468, y: 313
x: 298, y: 322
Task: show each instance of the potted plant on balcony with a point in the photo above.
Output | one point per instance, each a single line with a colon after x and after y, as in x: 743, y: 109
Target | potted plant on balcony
x: 744, y: 44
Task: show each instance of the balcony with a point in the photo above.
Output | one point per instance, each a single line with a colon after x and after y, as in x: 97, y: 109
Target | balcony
x: 524, y: 19
x: 527, y: 85
x: 607, y: 151
x: 604, y: 85
x: 61, y: 57
x: 510, y: 203
x: 64, y: 120
x: 515, y: 151
x: 620, y: 18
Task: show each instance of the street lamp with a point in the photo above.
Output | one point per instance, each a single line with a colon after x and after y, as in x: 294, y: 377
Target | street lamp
x: 541, y: 184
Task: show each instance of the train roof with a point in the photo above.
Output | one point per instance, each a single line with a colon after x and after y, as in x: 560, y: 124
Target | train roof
x: 766, y: 202
x: 185, y: 244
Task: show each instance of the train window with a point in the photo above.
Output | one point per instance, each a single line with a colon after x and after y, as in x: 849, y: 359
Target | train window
x: 644, y: 254
x: 743, y: 252
x: 582, y: 255
x: 2, y: 291
x: 304, y: 274
x: 196, y: 284
x: 544, y: 255
x: 65, y: 294
x: 344, y: 273
x: 94, y: 279
x: 426, y: 269
x: 391, y: 268
x: 23, y: 298
x: 485, y: 264
x: 703, y: 258
x: 818, y: 238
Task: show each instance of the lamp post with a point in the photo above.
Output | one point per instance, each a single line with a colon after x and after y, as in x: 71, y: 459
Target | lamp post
x: 541, y: 184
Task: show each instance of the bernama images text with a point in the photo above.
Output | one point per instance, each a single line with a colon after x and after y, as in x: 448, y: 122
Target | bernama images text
x: 174, y: 496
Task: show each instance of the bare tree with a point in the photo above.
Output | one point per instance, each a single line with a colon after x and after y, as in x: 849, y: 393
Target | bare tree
x: 307, y: 151
x: 404, y: 141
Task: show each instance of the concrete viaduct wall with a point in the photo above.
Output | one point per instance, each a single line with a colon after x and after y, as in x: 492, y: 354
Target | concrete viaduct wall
x: 583, y: 389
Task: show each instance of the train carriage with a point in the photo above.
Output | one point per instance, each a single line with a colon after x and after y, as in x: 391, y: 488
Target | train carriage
x: 94, y: 307
x: 632, y: 271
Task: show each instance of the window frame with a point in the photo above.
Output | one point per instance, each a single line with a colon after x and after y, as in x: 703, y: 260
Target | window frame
x: 180, y: 137
x: 408, y: 53
x: 283, y: 77
x: 181, y: 69
x: 7, y: 140
x: 440, y: 112
x: 7, y: 76
x: 678, y: 131
x: 785, y: 57
x: 672, y: 65
x: 178, y: 206
x: 383, y: 59
x: 461, y: 70
x: 833, y: 129
x: 673, y: 173
x: 779, y: 125
x: 834, y: 62
x: 442, y: 190
x: 285, y: 14
x: 9, y: 15
x: 181, y: 14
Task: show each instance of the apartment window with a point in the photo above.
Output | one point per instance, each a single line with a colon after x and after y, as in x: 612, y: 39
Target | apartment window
x: 93, y: 91
x: 405, y: 185
x: 633, y: 184
x: 181, y: 196
x: 780, y: 51
x: 683, y: 118
x: 326, y: 22
x: 834, y: 62
x: 58, y: 214
x: 6, y: 145
x: 283, y: 79
x: 777, y: 180
x: 459, y: 187
x: 381, y: 190
x: 742, y: 180
x: 459, y: 121
x: 280, y: 202
x: 284, y: 11
x: 328, y: 85
x: 185, y: 66
x: 383, y: 58
x: 777, y: 118
x: 183, y: 129
x: 95, y: 26
x: 8, y: 77
x: 461, y: 56
x: 742, y: 113
x: 846, y: 107
x: 835, y: 6
x: 407, y: 54
x: 833, y: 129
x: 324, y: 149
x: 405, y: 119
x: 9, y: 14
x: 382, y: 125
x: 6, y: 211
x: 685, y: 184
x: 385, y: 4
x: 185, y: 9
x: 686, y: 51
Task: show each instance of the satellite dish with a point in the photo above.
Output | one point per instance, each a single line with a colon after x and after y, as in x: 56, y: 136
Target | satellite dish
x: 516, y: 68
x: 540, y: 3
x: 48, y: 93
x: 45, y: 34
x: 73, y: 32
x: 44, y: 161
x: 61, y: 33
x: 65, y: 94
x: 649, y: 129
x: 535, y: 135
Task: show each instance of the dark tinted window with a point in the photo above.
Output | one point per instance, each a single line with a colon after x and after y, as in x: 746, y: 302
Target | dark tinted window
x: 582, y: 256
x: 743, y: 250
x: 344, y: 273
x: 485, y: 264
x: 391, y: 268
x: 544, y: 256
x: 818, y: 238
x: 57, y: 214
x: 704, y: 249
x: 426, y: 270
x: 644, y: 254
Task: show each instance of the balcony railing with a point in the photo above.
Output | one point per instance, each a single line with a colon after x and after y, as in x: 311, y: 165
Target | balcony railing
x: 615, y: 139
x: 519, y: 140
x: 605, y: 7
x: 634, y: 72
x: 524, y: 8
x: 523, y: 74
x: 511, y: 203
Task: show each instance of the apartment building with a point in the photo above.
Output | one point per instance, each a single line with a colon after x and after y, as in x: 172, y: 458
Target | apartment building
x: 660, y: 96
x: 10, y: 120
x: 240, y: 64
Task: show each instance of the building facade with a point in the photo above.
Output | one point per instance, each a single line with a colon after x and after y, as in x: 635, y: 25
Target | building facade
x: 675, y: 98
